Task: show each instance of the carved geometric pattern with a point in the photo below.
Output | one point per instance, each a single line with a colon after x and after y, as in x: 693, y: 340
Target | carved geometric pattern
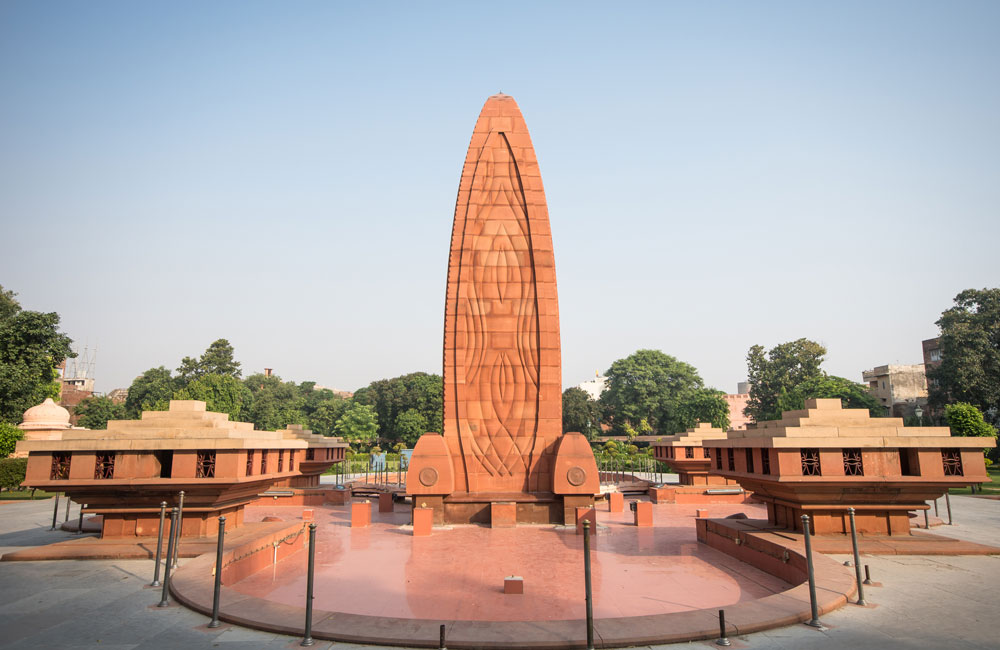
x: 576, y: 475
x: 689, y: 452
x: 731, y: 459
x: 718, y: 458
x: 249, y: 462
x: 765, y: 460
x: 263, y: 461
x: 60, y: 466
x: 104, y: 466
x: 853, y: 465
x: 281, y: 460
x: 428, y: 476
x: 749, y: 458
x: 501, y: 372
x: 205, y: 464
x: 952, y: 460
x: 810, y: 462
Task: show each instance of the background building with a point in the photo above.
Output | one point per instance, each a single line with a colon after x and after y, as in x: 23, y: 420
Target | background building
x: 900, y: 389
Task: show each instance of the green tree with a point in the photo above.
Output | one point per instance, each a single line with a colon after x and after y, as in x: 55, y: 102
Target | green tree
x: 216, y: 360
x: 390, y: 397
x: 966, y: 420
x: 324, y: 417
x: 580, y: 413
x: 667, y: 393
x: 31, y: 348
x: 410, y: 425
x: 9, y: 435
x: 94, y: 412
x: 852, y: 395
x: 779, y: 371
x: 150, y: 391
x: 970, y: 352
x: 359, y: 423
x: 221, y: 393
x: 276, y: 403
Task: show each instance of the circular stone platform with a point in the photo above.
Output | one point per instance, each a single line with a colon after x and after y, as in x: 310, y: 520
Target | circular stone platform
x: 382, y: 585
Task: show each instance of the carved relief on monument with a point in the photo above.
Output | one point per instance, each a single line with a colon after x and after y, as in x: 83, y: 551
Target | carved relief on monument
x: 501, y: 371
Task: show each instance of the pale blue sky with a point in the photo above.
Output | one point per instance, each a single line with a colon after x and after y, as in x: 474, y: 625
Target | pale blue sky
x: 284, y: 175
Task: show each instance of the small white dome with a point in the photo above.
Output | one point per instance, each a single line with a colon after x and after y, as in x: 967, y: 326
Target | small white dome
x: 47, y: 415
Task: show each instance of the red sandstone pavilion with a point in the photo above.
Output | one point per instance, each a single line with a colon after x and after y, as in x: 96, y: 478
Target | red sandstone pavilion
x: 824, y: 459
x: 503, y: 454
x: 124, y: 473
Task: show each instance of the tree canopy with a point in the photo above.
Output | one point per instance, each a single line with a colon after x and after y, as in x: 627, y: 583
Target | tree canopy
x: 221, y: 393
x: 668, y: 394
x: 780, y: 371
x: 852, y: 394
x: 150, y: 391
x: 580, y: 413
x: 359, y: 423
x: 94, y: 412
x: 216, y: 360
x: 966, y: 420
x: 970, y: 352
x: 419, y: 391
x: 31, y: 349
x: 9, y: 435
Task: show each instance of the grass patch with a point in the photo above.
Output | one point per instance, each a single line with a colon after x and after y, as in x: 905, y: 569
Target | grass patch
x: 984, y: 488
x: 25, y: 495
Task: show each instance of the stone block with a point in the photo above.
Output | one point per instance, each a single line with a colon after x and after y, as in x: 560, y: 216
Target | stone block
x: 385, y: 502
x: 661, y: 495
x: 307, y: 514
x: 361, y: 514
x: 586, y: 514
x: 616, y: 502
x: 503, y: 514
x: 513, y: 585
x: 701, y: 513
x: 643, y: 513
x: 423, y: 520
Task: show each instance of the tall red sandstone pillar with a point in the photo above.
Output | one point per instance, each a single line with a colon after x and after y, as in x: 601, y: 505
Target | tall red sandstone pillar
x: 502, y: 373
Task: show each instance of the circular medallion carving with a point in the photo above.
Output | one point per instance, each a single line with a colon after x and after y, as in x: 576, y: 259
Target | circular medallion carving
x: 428, y: 476
x: 576, y: 476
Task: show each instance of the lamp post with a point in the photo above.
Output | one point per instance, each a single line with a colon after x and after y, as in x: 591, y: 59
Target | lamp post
x: 919, y: 412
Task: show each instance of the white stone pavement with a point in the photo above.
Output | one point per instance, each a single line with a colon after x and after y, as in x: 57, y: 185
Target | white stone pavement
x: 925, y: 602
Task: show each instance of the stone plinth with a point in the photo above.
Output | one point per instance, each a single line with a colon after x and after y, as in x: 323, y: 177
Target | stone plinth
x: 586, y: 514
x: 513, y: 585
x: 361, y: 514
x: 502, y: 438
x: 616, y: 502
x: 124, y: 473
x: 423, y: 521
x: 385, y: 502
x: 643, y: 515
x: 824, y: 459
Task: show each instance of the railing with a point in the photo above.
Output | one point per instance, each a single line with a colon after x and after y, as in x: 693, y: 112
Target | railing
x: 616, y: 469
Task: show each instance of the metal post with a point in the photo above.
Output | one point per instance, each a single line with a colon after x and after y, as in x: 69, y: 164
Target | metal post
x: 947, y: 502
x: 79, y: 524
x: 936, y: 514
x: 159, y: 545
x: 308, y: 639
x: 164, y: 598
x: 814, y: 622
x: 442, y: 641
x: 586, y: 577
x: 180, y: 525
x: 217, y: 596
x: 868, y: 577
x: 55, y: 513
x: 723, y: 640
x: 927, y: 524
x: 68, y: 502
x: 857, y: 559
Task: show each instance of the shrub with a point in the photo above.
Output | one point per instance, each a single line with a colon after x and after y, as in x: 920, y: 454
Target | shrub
x: 12, y: 472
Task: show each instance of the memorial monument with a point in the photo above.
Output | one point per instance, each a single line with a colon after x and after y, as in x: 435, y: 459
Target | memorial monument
x: 502, y: 447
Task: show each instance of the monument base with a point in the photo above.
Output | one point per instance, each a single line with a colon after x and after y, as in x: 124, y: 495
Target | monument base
x: 533, y: 508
